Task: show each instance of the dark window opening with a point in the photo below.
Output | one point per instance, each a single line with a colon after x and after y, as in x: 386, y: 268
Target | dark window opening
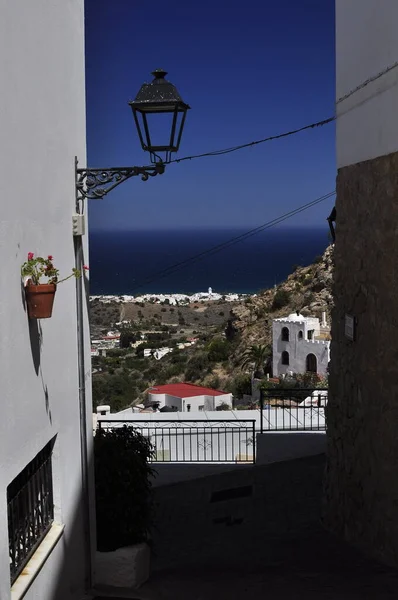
x: 285, y: 334
x: 300, y: 335
x: 310, y: 334
x: 311, y: 363
x: 30, y: 509
x: 285, y: 358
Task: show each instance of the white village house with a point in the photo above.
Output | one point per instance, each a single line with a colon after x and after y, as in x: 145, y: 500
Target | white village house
x: 187, y: 396
x: 157, y: 353
x: 300, y: 345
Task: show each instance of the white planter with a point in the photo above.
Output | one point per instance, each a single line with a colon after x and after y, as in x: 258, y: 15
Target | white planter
x: 124, y: 568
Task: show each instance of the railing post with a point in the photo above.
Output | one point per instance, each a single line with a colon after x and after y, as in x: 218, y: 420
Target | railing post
x: 254, y: 442
x: 261, y: 410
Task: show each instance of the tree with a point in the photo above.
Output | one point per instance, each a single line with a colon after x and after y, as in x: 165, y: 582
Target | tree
x: 256, y: 355
x: 281, y: 299
x: 218, y: 350
x: 197, y: 366
x: 127, y: 337
x: 239, y: 385
x: 117, y: 390
x: 230, y: 332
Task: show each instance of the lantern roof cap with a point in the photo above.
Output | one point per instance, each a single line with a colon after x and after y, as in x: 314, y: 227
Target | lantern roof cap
x: 159, y: 92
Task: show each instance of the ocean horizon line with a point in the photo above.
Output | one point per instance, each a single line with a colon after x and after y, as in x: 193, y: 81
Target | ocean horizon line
x: 205, y: 228
x: 185, y: 261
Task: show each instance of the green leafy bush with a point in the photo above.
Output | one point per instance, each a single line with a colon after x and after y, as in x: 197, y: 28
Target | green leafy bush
x: 240, y: 385
x: 116, y: 389
x: 197, y: 366
x: 223, y: 406
x: 281, y: 299
x: 219, y: 350
x: 124, y: 503
x: 127, y: 336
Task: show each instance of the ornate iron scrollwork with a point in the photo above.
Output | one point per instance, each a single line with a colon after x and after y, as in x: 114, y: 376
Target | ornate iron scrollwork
x: 90, y: 183
x: 332, y: 219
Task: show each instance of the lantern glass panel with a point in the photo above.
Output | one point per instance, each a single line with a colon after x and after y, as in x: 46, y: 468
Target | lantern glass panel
x: 159, y: 115
x: 160, y: 133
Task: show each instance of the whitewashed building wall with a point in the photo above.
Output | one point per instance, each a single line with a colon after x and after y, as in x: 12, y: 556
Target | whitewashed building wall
x: 42, y: 124
x: 298, y: 346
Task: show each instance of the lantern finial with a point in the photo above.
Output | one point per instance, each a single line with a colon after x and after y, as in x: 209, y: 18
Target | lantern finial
x: 159, y: 74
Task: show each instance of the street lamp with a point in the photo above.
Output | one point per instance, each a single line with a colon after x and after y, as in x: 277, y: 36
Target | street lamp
x: 159, y: 105
x: 157, y: 100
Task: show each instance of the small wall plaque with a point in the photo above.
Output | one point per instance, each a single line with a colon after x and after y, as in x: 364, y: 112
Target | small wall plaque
x: 350, y: 327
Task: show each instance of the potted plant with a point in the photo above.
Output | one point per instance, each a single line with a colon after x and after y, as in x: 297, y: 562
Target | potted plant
x: 40, y: 296
x: 124, y: 506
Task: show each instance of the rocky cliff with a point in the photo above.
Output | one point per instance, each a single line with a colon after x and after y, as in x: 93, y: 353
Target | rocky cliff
x: 307, y: 289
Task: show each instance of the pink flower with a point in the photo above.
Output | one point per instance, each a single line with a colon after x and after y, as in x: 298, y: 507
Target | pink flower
x: 50, y: 257
x: 30, y: 255
x: 85, y: 267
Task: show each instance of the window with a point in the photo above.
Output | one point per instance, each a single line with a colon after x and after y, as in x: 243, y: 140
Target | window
x: 311, y: 363
x: 285, y: 358
x: 300, y: 335
x: 310, y: 334
x: 201, y: 407
x: 285, y: 334
x: 30, y: 509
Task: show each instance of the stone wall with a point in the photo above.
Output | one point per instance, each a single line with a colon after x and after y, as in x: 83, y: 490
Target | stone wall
x: 361, y: 483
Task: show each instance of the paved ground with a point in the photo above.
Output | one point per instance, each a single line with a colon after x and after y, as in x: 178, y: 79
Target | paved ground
x: 255, y: 534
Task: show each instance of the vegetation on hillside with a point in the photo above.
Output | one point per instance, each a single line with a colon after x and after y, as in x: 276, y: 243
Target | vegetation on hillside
x: 234, y: 339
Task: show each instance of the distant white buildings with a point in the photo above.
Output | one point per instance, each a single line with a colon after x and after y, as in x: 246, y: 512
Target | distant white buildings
x: 172, y: 299
x: 300, y: 345
x: 187, y: 396
x: 157, y: 353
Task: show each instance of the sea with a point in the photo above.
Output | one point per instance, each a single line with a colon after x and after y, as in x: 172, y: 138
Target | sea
x: 190, y: 261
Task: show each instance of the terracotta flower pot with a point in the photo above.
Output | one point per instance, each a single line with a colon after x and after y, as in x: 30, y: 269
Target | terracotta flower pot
x: 40, y: 300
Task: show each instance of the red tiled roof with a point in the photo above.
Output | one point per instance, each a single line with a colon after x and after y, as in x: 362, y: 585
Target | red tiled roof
x: 184, y: 390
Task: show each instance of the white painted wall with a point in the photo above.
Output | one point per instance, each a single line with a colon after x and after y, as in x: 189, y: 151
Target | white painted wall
x: 271, y: 447
x: 366, y: 44
x: 208, y: 402
x: 289, y: 445
x: 195, y: 402
x: 298, y: 347
x: 42, y: 124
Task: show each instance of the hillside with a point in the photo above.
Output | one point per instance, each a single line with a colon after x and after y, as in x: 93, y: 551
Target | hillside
x: 123, y: 377
x: 307, y: 289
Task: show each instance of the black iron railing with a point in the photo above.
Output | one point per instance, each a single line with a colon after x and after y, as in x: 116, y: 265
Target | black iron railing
x: 188, y: 441
x: 293, y: 410
x: 30, y: 510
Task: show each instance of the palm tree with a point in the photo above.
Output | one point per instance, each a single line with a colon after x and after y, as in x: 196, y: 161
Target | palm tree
x: 255, y: 355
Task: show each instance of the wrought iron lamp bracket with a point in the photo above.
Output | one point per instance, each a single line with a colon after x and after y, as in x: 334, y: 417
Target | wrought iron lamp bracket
x: 332, y: 219
x: 96, y: 183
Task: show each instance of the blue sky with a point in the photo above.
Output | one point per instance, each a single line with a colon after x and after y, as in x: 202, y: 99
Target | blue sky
x: 249, y: 70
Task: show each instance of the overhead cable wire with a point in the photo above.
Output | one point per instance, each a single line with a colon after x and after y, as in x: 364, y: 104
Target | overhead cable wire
x: 315, y: 125
x: 367, y: 82
x: 219, y: 247
x: 256, y: 142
